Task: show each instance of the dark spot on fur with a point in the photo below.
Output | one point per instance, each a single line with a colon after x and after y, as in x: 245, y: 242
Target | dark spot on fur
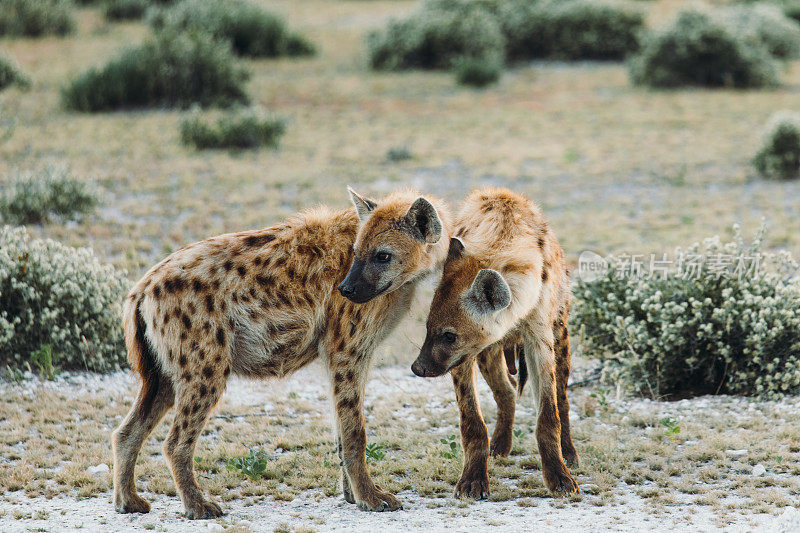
x: 157, y: 291
x: 206, y: 326
x: 208, y: 371
x: 241, y: 270
x: 185, y: 424
x: 228, y: 265
x: 198, y: 285
x: 182, y: 360
x: 227, y: 371
x: 187, y: 322
x: 215, y: 284
x: 184, y: 336
x: 209, y: 303
x: 185, y: 410
x: 259, y: 240
x: 221, y: 336
x: 350, y: 375
x: 544, y: 275
x: 203, y: 389
x: 540, y: 242
x: 257, y: 261
x: 265, y: 281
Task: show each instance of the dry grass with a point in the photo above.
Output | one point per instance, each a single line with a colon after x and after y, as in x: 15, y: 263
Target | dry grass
x: 47, y: 452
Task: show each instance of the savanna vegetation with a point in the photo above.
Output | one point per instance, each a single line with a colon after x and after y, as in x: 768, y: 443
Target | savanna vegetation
x: 637, y: 126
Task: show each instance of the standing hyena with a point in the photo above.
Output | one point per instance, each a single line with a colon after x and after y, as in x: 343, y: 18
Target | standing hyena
x: 505, y: 283
x: 265, y: 303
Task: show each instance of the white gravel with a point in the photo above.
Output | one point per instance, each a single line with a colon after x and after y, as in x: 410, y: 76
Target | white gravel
x: 628, y: 512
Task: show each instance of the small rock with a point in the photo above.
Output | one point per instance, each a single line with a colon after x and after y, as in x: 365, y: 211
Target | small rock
x: 736, y: 453
x: 759, y: 470
x: 102, y: 468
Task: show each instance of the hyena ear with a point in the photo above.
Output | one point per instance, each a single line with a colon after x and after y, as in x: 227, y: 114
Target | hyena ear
x: 364, y: 205
x: 488, y: 294
x: 456, y: 249
x: 424, y: 221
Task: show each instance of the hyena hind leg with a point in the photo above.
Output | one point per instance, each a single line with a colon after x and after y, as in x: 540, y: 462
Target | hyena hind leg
x: 192, y: 408
x: 155, y: 398
x: 494, y: 369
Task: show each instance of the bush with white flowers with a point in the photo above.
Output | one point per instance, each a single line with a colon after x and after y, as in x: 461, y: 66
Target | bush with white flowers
x: 672, y: 335
x: 56, y: 295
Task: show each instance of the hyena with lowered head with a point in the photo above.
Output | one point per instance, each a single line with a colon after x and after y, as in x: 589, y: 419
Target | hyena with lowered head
x: 505, y: 283
x: 265, y: 303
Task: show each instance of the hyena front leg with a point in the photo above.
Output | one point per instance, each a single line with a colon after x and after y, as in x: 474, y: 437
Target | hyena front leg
x: 542, y: 362
x: 198, y: 391
x: 563, y: 363
x: 349, y: 374
x: 155, y: 398
x: 494, y: 369
x: 474, y: 482
x: 347, y: 491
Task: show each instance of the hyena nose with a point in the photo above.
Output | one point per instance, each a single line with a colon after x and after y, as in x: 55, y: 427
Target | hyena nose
x: 418, y: 369
x: 345, y: 289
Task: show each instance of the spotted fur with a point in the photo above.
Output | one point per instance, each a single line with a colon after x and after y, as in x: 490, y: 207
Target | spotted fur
x: 262, y: 304
x: 505, y: 288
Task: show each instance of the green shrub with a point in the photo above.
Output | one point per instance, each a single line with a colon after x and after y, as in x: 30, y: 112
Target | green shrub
x: 700, y: 49
x: 126, y: 9
x: 768, y: 24
x: 34, y: 198
x: 11, y: 75
x: 690, y: 334
x: 251, y: 30
x: 35, y: 18
x: 130, y: 9
x: 571, y: 30
x: 245, y: 128
x: 55, y: 295
x: 477, y: 72
x: 779, y: 156
x: 437, y: 35
x: 169, y: 70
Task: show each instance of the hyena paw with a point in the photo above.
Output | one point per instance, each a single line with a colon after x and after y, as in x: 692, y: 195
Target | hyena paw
x: 203, y: 509
x: 379, y: 501
x: 132, y: 504
x: 471, y: 486
x: 500, y: 446
x: 561, y: 481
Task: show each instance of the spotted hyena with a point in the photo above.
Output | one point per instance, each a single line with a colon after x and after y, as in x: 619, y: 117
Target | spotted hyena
x: 505, y: 284
x: 262, y: 304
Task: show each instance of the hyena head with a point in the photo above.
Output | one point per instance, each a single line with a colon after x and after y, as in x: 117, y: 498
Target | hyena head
x: 394, y: 245
x: 463, y: 318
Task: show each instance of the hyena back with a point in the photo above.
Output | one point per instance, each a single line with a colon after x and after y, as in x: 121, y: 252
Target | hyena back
x: 262, y: 304
x: 505, y: 285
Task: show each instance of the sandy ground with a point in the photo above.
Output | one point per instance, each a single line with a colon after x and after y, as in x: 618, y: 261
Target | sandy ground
x: 311, y: 511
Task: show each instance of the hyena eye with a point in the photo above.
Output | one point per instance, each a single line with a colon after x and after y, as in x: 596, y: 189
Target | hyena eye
x: 448, y: 337
x: 383, y: 257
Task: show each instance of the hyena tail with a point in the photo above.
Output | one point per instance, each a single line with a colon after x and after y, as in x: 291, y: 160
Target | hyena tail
x: 141, y: 356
